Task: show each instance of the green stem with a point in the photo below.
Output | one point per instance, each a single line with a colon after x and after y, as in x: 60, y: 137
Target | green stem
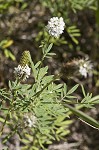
x: 87, y: 119
x: 97, y: 13
x: 1, y: 132
x: 33, y: 68
x: 45, y: 47
x: 11, y: 134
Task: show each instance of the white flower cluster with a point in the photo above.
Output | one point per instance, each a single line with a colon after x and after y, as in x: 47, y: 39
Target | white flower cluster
x: 22, y: 72
x: 30, y: 120
x: 55, y: 26
x: 85, y: 67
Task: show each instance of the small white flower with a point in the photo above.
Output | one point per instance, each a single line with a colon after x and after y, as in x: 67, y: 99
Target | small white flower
x: 56, y: 26
x: 85, y: 67
x: 27, y: 71
x: 18, y: 71
x: 83, y: 71
x: 30, y: 120
x: 22, y: 72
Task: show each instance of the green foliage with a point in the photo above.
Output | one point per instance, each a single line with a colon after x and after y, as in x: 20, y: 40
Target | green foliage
x: 4, y: 45
x: 72, y: 4
x: 73, y: 33
x: 5, y: 5
x: 80, y: 5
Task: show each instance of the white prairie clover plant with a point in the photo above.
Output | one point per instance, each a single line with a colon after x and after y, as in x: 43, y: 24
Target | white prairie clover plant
x: 56, y: 26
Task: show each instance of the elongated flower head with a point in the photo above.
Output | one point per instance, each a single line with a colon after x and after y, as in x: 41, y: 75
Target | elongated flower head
x: 56, y: 26
x: 25, y: 58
